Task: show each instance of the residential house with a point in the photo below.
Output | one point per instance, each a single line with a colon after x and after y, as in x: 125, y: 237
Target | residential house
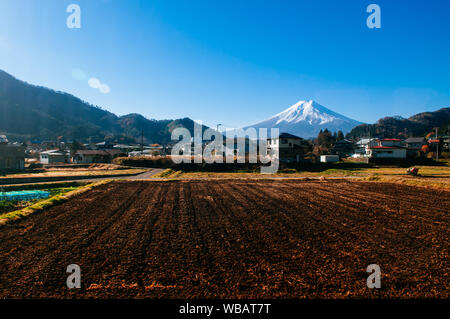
x: 12, y: 157
x: 414, y: 146
x: 135, y: 154
x: 343, y: 148
x: 103, y: 145
x: 415, y: 143
x: 391, y: 142
x: 53, y: 157
x: 388, y: 148
x: 154, y: 149
x: 124, y: 148
x: 96, y: 156
x: 362, y: 145
x: 291, y: 147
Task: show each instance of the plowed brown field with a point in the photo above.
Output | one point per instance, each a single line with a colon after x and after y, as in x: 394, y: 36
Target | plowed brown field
x: 227, y: 239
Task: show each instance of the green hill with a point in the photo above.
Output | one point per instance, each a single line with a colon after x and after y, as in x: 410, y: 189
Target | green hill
x: 395, y: 127
x: 30, y: 112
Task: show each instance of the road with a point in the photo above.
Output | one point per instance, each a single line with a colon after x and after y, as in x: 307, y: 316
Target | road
x: 143, y: 176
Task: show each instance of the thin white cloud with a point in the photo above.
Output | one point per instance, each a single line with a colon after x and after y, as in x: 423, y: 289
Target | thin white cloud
x: 104, y: 88
x: 96, y: 84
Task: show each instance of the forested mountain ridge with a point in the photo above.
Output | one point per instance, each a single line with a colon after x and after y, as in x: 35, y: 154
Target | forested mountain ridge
x: 396, y: 127
x: 30, y: 112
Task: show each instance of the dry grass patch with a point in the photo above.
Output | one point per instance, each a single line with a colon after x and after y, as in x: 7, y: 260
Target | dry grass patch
x: 78, y: 172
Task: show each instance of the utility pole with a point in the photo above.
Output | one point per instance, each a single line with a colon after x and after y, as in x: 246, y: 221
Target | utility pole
x: 142, y: 141
x: 219, y: 132
x: 437, y: 145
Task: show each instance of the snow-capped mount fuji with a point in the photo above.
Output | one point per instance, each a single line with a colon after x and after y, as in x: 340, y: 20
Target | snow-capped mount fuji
x: 306, y: 119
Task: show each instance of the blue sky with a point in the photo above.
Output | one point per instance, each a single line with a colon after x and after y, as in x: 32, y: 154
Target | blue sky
x: 234, y: 62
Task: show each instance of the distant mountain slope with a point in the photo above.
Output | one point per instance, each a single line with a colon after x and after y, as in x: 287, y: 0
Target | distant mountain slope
x: 155, y: 131
x: 34, y: 112
x: 417, y: 125
x: 306, y: 119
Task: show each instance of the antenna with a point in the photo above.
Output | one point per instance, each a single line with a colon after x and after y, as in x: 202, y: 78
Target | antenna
x: 142, y: 141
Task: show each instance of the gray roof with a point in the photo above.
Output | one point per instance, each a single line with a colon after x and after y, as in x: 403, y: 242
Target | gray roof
x: 344, y: 141
x: 54, y: 152
x: 365, y: 141
x: 287, y: 135
x: 415, y: 140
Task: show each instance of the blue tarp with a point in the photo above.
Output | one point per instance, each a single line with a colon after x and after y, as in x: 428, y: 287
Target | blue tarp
x: 24, y: 195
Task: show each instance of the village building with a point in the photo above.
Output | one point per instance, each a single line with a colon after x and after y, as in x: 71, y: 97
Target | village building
x: 343, y: 148
x: 415, y: 143
x: 12, y: 157
x: 95, y: 156
x: 291, y: 147
x: 390, y: 148
x: 125, y: 148
x: 54, y: 157
x: 362, y: 145
x: 390, y: 142
x: 414, y: 146
x: 103, y: 145
x: 154, y: 149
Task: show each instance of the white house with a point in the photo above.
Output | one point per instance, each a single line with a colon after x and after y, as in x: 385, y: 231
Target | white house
x: 363, y: 144
x: 291, y: 147
x: 387, y: 148
x: 53, y: 156
x: 386, y: 152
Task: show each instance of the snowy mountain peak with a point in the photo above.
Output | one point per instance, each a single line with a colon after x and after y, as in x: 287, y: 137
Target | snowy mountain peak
x: 306, y: 118
x: 308, y: 111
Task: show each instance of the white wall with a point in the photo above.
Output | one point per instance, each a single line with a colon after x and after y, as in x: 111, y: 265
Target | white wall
x: 388, y: 153
x: 329, y: 158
